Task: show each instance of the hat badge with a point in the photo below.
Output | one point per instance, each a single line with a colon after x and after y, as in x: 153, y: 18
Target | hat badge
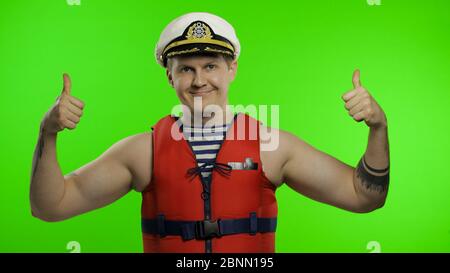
x: 197, y: 31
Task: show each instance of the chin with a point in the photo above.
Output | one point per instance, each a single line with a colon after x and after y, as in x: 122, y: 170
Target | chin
x: 209, y: 99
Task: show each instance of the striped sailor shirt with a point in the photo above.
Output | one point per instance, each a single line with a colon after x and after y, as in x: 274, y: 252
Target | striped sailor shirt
x: 205, y: 143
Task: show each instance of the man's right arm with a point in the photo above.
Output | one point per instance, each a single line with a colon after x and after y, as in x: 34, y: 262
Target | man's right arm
x: 55, y: 197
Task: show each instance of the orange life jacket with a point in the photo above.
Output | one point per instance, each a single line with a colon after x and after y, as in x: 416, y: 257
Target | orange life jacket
x: 232, y: 210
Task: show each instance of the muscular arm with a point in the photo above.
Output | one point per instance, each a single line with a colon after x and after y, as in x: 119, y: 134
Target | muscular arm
x: 371, y: 177
x: 331, y: 181
x: 323, y: 178
x: 55, y: 197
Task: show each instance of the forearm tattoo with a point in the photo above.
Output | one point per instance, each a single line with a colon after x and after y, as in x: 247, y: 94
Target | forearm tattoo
x: 38, y: 153
x: 378, y: 183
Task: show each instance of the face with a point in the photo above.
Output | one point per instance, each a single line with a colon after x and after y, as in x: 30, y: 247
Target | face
x: 207, y: 77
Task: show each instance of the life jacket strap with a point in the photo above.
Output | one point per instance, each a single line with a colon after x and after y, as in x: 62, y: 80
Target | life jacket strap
x: 207, y: 229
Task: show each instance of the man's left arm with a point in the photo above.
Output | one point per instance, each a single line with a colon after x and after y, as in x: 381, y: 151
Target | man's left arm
x: 371, y: 176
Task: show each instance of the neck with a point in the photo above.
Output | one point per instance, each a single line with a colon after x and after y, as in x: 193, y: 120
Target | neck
x: 225, y: 116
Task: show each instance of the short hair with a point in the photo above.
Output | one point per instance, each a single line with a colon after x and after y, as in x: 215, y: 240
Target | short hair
x: 228, y: 59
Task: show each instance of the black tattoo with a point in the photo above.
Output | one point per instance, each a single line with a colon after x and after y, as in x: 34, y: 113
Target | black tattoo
x: 372, y: 169
x: 38, y: 153
x: 378, y: 183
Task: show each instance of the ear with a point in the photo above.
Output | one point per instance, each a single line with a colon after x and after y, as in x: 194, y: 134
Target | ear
x: 169, y: 77
x: 233, y: 69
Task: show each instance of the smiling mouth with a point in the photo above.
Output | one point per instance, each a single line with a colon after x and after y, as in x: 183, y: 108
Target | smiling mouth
x: 201, y: 93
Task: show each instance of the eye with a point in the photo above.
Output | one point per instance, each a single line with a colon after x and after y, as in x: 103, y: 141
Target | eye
x: 185, y: 69
x: 210, y: 66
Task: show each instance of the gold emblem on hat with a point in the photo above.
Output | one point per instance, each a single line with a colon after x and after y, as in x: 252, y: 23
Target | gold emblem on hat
x: 198, y: 31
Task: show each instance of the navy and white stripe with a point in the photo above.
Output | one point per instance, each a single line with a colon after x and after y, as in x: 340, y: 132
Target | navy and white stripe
x: 205, y: 142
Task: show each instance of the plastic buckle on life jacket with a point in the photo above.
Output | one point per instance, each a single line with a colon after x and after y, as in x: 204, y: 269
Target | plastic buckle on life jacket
x: 207, y: 229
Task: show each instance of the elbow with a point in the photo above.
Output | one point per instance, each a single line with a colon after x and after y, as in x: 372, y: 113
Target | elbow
x: 366, y: 203
x: 370, y: 207
x: 45, y: 215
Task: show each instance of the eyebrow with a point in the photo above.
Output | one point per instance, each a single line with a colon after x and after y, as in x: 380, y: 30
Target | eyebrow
x: 185, y: 65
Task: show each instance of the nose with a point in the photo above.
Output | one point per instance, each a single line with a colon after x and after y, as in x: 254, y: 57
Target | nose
x: 199, y: 80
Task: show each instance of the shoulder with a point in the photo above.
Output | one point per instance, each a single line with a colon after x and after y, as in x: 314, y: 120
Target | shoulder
x: 276, y: 148
x: 138, y: 147
x: 135, y: 152
x: 133, y: 143
x: 278, y: 140
x: 284, y: 144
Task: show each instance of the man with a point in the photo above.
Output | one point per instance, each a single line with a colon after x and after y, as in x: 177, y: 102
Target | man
x: 204, y: 190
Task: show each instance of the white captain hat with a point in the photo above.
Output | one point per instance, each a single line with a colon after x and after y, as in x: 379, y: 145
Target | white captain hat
x: 197, y: 33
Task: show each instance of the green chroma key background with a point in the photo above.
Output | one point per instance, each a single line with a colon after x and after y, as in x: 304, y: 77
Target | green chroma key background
x: 299, y: 55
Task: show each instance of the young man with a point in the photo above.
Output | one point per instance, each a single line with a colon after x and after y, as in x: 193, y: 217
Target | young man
x: 203, y: 190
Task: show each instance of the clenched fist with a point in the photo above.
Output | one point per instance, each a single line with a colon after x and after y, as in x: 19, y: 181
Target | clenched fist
x: 362, y: 106
x: 65, y: 113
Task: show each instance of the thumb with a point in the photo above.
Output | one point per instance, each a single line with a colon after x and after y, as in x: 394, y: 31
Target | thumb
x: 355, y: 79
x: 67, y: 84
